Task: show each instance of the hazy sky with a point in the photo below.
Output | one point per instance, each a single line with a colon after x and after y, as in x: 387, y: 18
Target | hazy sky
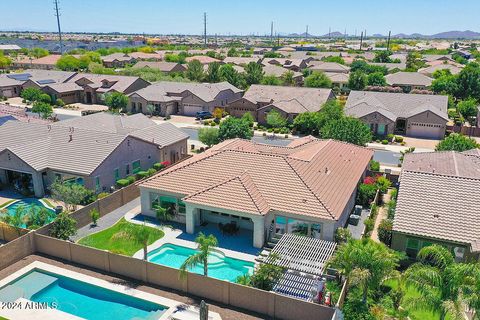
x: 244, y: 16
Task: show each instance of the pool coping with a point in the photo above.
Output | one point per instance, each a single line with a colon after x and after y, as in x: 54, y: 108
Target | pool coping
x: 8, y: 204
x: 171, y: 306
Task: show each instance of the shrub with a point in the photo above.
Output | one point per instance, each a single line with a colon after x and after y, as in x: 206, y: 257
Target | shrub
x: 141, y: 175
x: 369, y: 180
x: 45, y: 98
x: 390, y: 137
x: 403, y: 143
x: 385, y: 231
x: 391, y: 206
x: 369, y: 224
x: 384, y: 141
x: 131, y: 179
x: 63, y: 227
x: 383, y: 184
x: 399, y: 139
x: 264, y: 134
x: 374, y: 165
x: 165, y: 163
x: 102, y: 195
x: 94, y: 214
x: 151, y: 171
x: 342, y: 235
x: 213, y: 124
x: 158, y: 166
x: 60, y: 103
x: 123, y: 183
x: 366, y: 194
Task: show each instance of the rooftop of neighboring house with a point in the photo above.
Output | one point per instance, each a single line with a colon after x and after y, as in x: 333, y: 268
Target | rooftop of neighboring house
x: 394, y: 105
x: 202, y: 59
x: 168, y: 90
x: 328, y: 66
x: 10, y: 113
x: 81, y: 144
x: 47, y: 60
x: 9, y: 47
x: 104, y: 83
x: 278, y: 71
x: 438, y: 197
x: 158, y: 65
x: 337, y: 77
x: 40, y: 77
x: 146, y: 56
x: 390, y: 66
x: 310, y: 177
x: 118, y: 56
x: 286, y: 62
x: 241, y: 60
x: 433, y: 57
x: 428, y: 71
x: 408, y: 79
x: 310, y: 98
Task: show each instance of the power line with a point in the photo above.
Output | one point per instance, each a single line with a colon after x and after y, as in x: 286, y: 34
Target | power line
x: 57, y: 14
x: 205, y: 28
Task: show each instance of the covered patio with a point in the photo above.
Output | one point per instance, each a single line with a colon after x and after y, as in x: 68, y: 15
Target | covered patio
x: 305, y: 260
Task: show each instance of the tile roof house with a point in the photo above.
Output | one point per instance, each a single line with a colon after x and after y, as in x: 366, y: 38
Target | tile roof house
x: 291, y: 64
x: 242, y: 61
x: 93, y: 150
x: 118, y: 60
x: 167, y: 67
x: 279, y: 71
x: 409, y: 80
x: 289, y: 101
x: 183, y: 97
x: 328, y: 67
x: 439, y: 202
x: 428, y: 71
x: 310, y: 183
x: 415, y: 115
x: 203, y: 59
x: 46, y: 63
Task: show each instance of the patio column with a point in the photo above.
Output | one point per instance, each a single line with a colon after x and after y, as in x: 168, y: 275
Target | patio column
x: 258, y: 231
x: 38, y: 184
x: 190, y: 218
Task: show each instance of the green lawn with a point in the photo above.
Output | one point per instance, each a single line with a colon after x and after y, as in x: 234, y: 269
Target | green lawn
x: 113, y: 239
x: 415, y: 314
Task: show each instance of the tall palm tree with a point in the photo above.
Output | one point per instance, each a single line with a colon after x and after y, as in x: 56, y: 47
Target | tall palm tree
x: 17, y: 220
x: 139, y: 234
x: 365, y: 264
x: 205, y: 248
x: 440, y: 281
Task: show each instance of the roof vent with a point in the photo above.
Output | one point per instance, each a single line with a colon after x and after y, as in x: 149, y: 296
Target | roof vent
x: 70, y: 137
x: 327, y: 171
x: 436, y: 216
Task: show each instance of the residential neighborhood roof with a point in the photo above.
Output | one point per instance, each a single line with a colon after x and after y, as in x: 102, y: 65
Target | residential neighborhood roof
x: 428, y: 71
x: 118, y: 83
x: 202, y: 59
x: 278, y: 71
x: 390, y: 66
x: 328, y: 67
x: 337, y: 77
x: 241, y: 60
x: 310, y: 98
x: 47, y: 60
x: 40, y: 77
x: 408, y: 78
x: 80, y: 145
x: 159, y: 65
x: 393, y: 105
x: 118, y: 56
x: 311, y: 177
x: 439, y: 197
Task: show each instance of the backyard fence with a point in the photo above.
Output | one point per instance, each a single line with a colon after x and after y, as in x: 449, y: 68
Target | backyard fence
x: 467, y: 131
x: 16, y: 250
x: 233, y: 294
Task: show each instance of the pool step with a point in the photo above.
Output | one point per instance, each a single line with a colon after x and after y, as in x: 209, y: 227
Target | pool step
x: 26, y: 286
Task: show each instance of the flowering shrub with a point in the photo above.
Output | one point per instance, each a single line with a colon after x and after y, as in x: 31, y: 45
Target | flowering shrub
x: 369, y: 180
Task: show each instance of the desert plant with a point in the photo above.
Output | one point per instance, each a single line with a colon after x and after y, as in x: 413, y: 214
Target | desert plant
x: 94, y: 215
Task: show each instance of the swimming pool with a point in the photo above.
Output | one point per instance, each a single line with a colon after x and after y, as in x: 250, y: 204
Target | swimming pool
x: 219, y: 266
x: 27, y: 204
x: 79, y: 298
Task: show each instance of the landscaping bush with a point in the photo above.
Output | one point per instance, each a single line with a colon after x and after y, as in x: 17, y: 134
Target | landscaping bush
x: 102, y: 195
x: 94, y: 215
x: 391, y: 206
x: 141, y: 174
x: 151, y: 171
x: 342, y: 235
x: 374, y: 165
x: 63, y: 227
x: 390, y: 137
x: 264, y: 134
x: 384, y: 141
x: 369, y: 224
x: 122, y: 183
x: 131, y: 179
x: 60, y: 103
x: 398, y: 139
x: 383, y: 184
x: 213, y: 124
x: 366, y: 194
x: 165, y: 163
x: 385, y: 231
x: 158, y: 166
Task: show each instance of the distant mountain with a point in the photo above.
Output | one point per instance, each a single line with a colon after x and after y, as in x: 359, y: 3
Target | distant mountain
x: 468, y: 34
x: 335, y: 34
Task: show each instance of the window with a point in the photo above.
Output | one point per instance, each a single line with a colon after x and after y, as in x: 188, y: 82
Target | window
x: 116, y: 174
x: 381, y: 129
x: 181, y: 207
x: 127, y: 169
x: 58, y: 177
x: 412, y: 247
x: 136, y: 166
x: 97, y: 184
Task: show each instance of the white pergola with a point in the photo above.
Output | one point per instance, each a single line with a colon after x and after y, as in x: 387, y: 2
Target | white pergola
x: 302, y: 254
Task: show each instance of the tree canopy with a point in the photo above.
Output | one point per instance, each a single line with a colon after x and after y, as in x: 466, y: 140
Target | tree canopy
x: 208, y: 136
x: 456, y: 142
x: 318, y: 79
x: 357, y: 80
x: 116, y: 101
x: 347, y: 129
x: 195, y: 71
x: 232, y: 127
x: 253, y: 73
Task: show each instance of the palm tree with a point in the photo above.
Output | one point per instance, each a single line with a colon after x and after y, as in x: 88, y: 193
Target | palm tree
x: 17, y: 220
x: 205, y: 248
x: 164, y: 214
x: 365, y: 263
x: 150, y: 109
x: 440, y: 281
x: 139, y: 234
x: 287, y: 78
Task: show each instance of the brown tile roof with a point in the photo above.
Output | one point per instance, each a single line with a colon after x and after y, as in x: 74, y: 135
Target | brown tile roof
x: 408, y: 78
x: 439, y: 197
x: 202, y: 59
x: 310, y: 177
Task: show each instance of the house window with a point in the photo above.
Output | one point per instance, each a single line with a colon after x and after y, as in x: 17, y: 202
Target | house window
x: 412, y: 247
x: 181, y: 207
x: 136, y: 166
x: 127, y: 169
x: 97, y: 184
x: 116, y: 174
x: 381, y: 129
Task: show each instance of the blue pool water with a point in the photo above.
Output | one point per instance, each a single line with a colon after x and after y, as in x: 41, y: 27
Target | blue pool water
x: 79, y: 298
x: 27, y: 204
x: 219, y: 266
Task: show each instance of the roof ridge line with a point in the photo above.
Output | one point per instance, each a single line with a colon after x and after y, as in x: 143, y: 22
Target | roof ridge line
x: 310, y: 189
x: 440, y: 175
x: 245, y: 173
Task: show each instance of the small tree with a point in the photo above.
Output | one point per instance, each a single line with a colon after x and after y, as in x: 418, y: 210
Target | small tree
x: 63, y: 227
x: 318, y: 79
x: 116, y: 101
x: 456, y: 142
x: 16, y: 220
x: 234, y: 128
x: 376, y: 79
x: 43, y: 109
x: 164, y: 214
x: 139, y: 234
x: 253, y: 73
x: 288, y: 78
x: 208, y: 136
x: 213, y: 72
x: 275, y: 119
x: 205, y: 246
x: 150, y: 109
x: 347, y: 129
x: 267, y: 275
x: 195, y: 71
x: 94, y: 214
x: 383, y: 184
x: 71, y: 194
x: 374, y: 165
x: 468, y: 109
x: 357, y: 80
x: 248, y: 117
x: 271, y: 80
x: 31, y: 94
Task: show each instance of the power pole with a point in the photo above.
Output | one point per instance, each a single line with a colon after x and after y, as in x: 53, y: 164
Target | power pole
x: 361, y: 40
x: 205, y: 28
x: 306, y: 33
x: 388, y: 41
x: 345, y: 34
x: 271, y: 32
x: 57, y: 14
x: 329, y: 32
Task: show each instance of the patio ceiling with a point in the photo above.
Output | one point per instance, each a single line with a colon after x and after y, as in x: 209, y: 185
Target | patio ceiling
x: 303, y: 254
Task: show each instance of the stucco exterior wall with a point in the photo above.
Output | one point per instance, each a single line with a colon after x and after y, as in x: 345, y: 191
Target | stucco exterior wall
x: 376, y: 118
x: 239, y: 107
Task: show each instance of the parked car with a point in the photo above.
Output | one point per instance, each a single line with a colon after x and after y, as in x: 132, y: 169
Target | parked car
x: 201, y: 115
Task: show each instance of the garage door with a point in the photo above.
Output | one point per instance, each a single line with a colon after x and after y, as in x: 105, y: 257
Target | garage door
x: 191, y: 110
x: 426, y: 130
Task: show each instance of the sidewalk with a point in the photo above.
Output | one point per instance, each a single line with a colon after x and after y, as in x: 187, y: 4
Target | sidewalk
x: 382, y: 214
